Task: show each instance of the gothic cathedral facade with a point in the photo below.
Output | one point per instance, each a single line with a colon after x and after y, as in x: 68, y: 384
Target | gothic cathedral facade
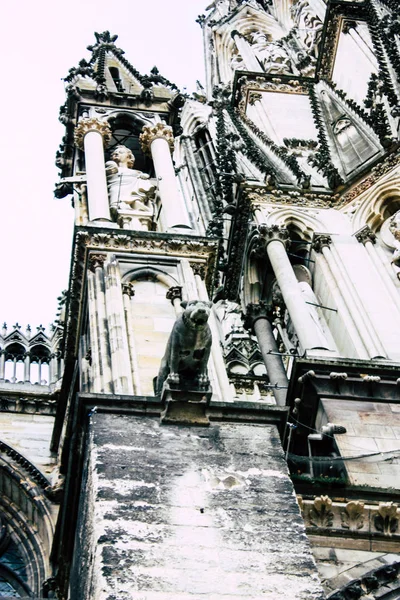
x: 216, y: 413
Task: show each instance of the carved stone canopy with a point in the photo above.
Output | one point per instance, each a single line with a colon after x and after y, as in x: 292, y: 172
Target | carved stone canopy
x: 151, y: 133
x: 91, y: 124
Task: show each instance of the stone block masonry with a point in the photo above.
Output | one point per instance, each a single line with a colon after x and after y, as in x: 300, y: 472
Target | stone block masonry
x: 188, y: 513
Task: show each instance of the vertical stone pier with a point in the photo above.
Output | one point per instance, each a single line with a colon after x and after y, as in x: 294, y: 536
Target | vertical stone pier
x: 174, y: 512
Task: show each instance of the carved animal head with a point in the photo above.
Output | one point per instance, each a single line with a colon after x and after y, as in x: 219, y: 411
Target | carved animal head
x: 196, y: 313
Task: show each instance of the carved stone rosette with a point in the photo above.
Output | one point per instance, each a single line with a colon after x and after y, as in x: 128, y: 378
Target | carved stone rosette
x: 149, y: 134
x: 96, y: 260
x: 365, y: 235
x: 91, y: 124
x: 321, y: 241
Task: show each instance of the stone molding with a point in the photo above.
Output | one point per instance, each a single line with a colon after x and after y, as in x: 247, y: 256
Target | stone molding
x: 365, y: 235
x: 350, y: 519
x: 92, y: 124
x: 31, y: 405
x: 158, y: 131
x: 321, y: 240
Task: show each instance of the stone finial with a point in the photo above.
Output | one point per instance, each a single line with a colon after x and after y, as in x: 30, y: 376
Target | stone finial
x: 149, y: 134
x: 365, y: 235
x: 174, y: 293
x: 128, y: 289
x: 96, y: 260
x: 91, y: 124
x: 321, y: 240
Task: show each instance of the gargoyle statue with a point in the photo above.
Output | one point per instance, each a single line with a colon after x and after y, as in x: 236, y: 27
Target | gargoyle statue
x: 184, y: 365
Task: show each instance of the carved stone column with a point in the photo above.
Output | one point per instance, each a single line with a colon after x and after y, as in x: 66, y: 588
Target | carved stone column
x: 128, y: 292
x: 27, y: 367
x: 90, y: 136
x: 257, y: 319
x: 96, y: 264
x: 117, y: 331
x: 348, y: 301
x: 367, y: 237
x: 175, y: 295
x: 2, y: 364
x: 158, y: 142
x: 275, y: 241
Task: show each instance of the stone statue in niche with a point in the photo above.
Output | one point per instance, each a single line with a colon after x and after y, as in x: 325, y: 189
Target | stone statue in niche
x: 184, y: 366
x: 273, y: 57
x: 394, y: 228
x: 308, y: 26
x: 128, y: 188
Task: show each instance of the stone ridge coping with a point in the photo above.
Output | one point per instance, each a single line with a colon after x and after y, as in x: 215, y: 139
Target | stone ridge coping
x: 252, y: 412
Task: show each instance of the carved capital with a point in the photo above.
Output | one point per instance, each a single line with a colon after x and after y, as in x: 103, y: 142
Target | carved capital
x: 255, y: 311
x: 86, y: 125
x: 274, y: 233
x: 173, y: 293
x: 365, y: 235
x: 199, y: 269
x: 321, y: 240
x: 128, y: 289
x: 96, y: 260
x: 149, y: 134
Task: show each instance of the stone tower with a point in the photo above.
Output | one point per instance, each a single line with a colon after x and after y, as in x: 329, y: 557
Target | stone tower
x: 230, y: 336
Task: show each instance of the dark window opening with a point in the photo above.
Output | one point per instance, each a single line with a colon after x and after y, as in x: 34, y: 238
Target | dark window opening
x: 114, y: 72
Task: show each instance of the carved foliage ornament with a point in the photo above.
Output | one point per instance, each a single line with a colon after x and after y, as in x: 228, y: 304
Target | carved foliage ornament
x: 387, y: 519
x: 353, y: 516
x: 321, y: 514
x: 149, y: 134
x: 86, y: 125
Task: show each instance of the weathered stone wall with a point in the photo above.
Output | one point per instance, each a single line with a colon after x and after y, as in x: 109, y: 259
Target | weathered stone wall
x: 188, y: 512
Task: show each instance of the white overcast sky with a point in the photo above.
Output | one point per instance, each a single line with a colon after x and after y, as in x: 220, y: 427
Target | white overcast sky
x: 43, y: 40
